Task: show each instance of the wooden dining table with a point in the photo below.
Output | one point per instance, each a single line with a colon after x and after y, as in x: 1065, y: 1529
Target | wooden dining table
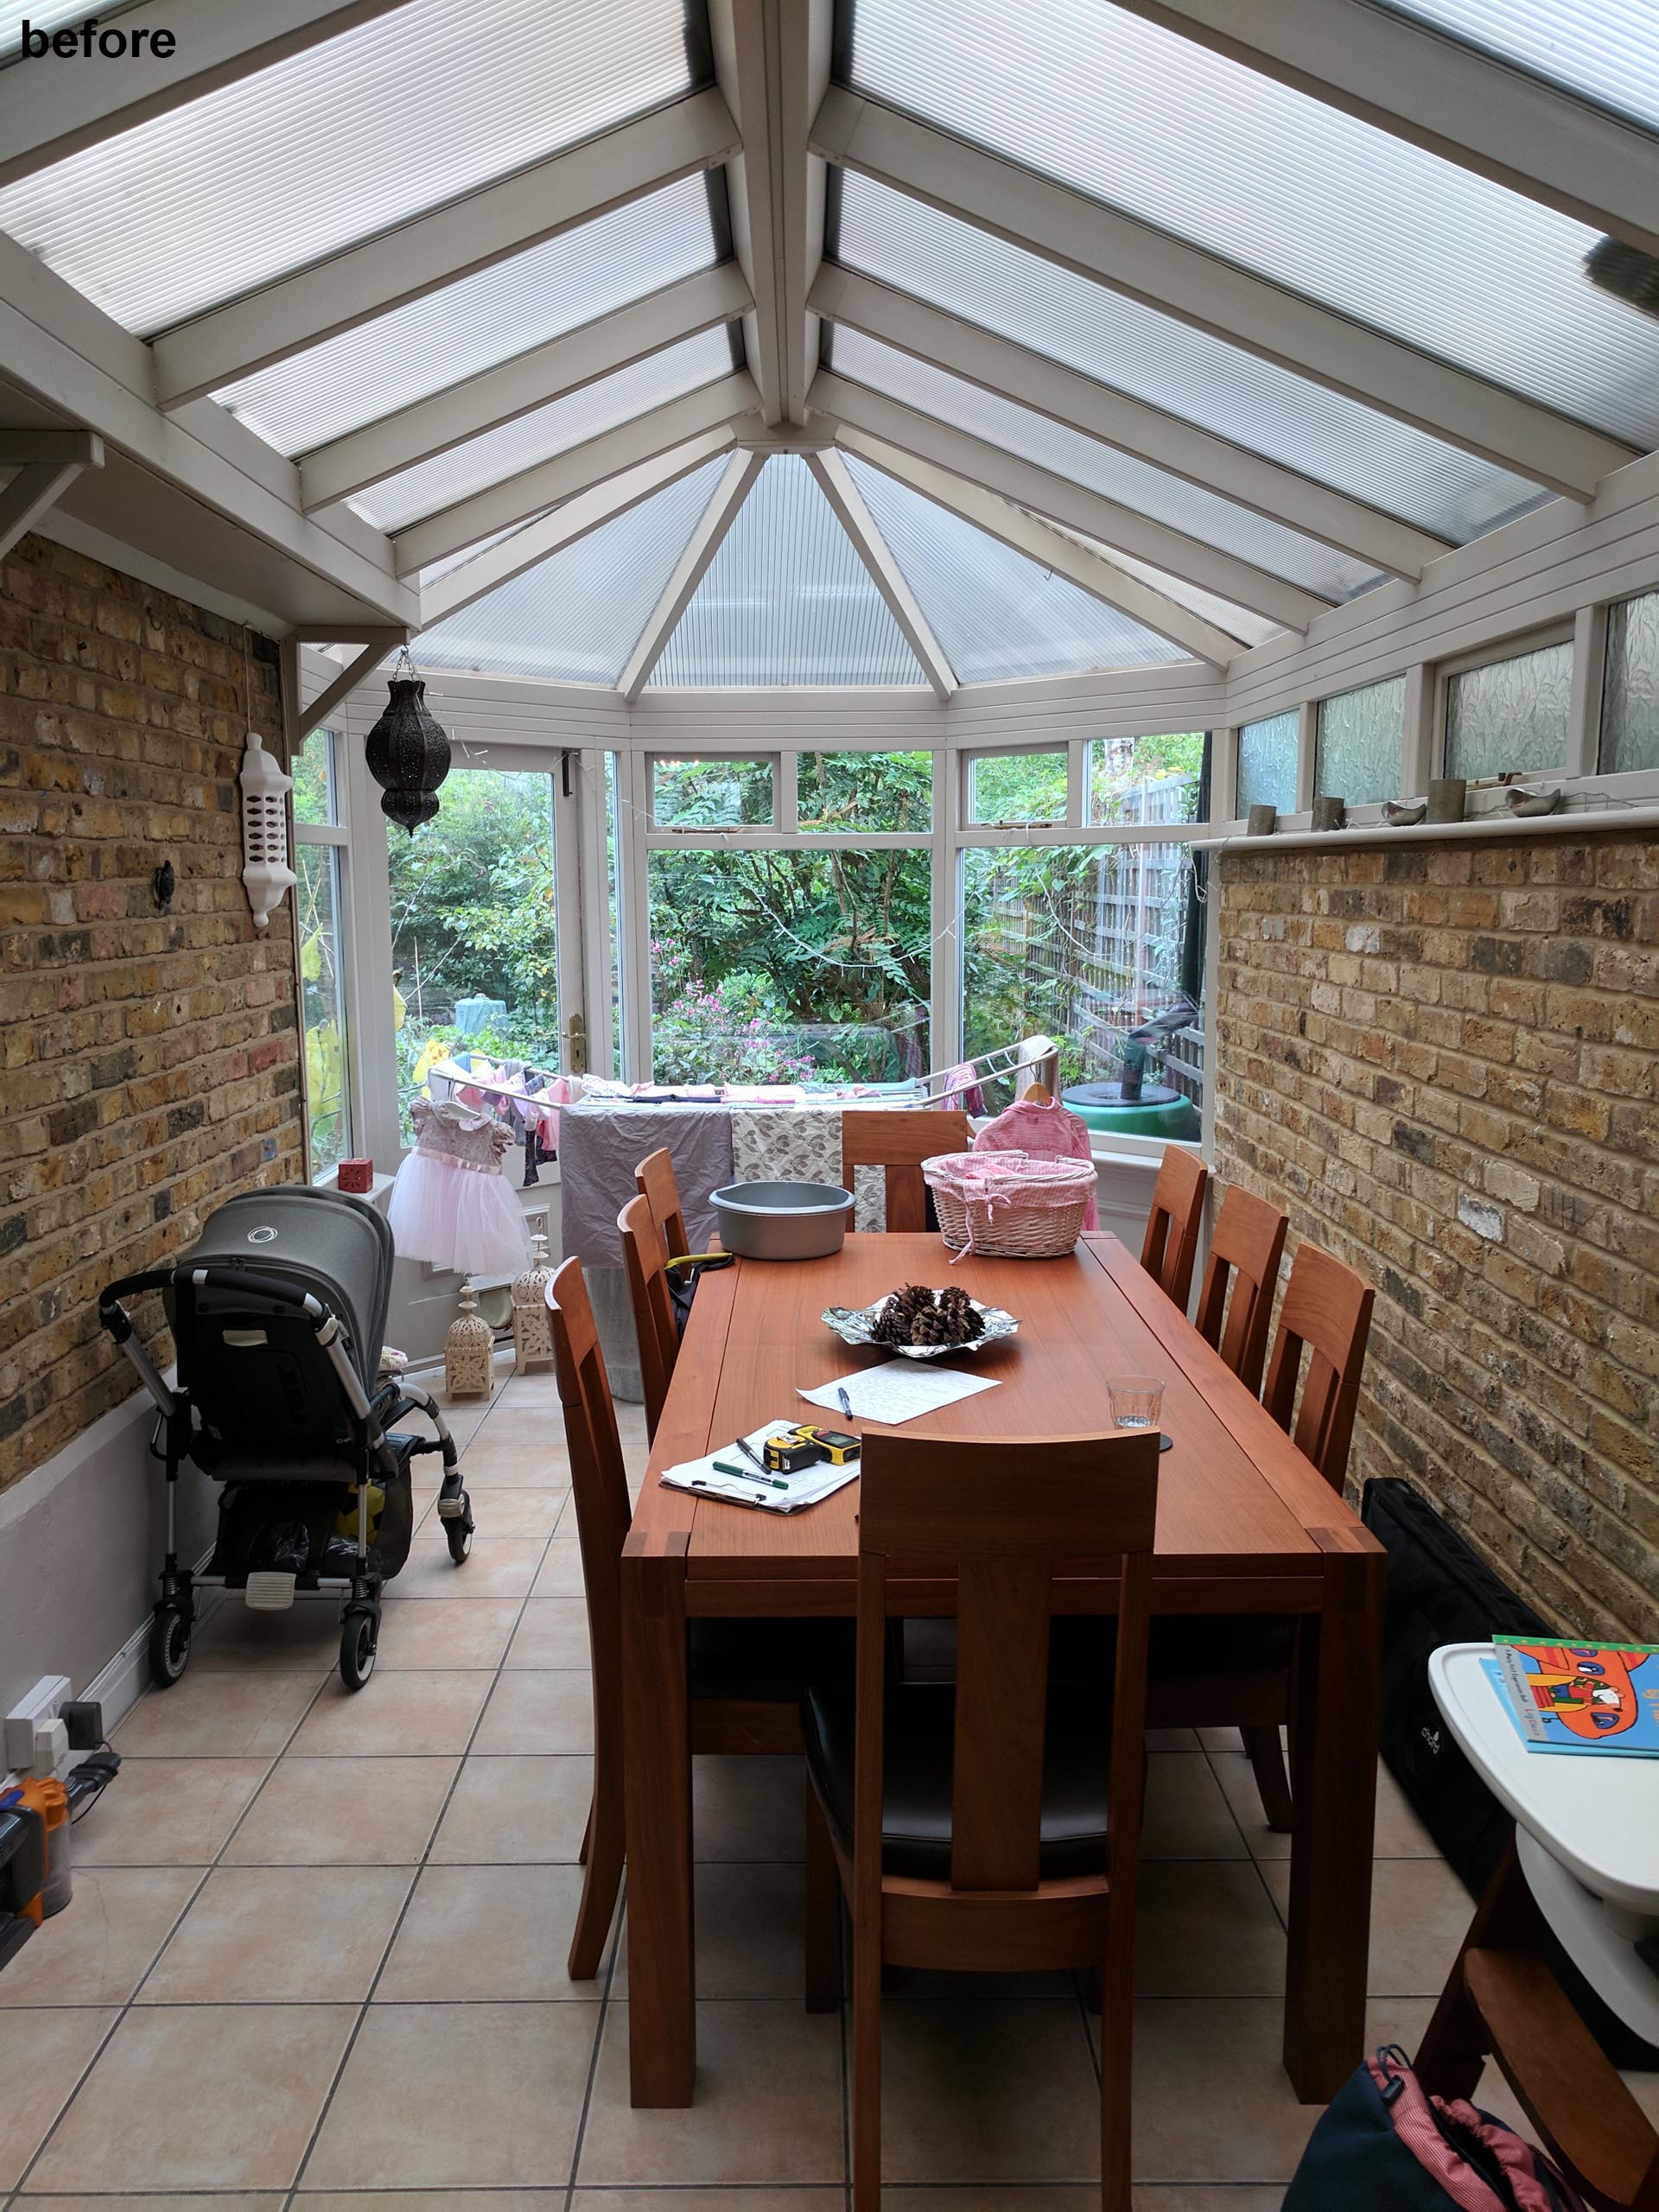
x: 1245, y: 1526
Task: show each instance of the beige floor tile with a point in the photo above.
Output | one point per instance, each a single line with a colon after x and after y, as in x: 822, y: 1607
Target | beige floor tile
x: 344, y: 1812
x: 1186, y: 1814
x: 515, y: 1812
x: 1400, y: 1834
x: 748, y: 1808
x: 981, y: 2089
x: 486, y: 1933
x: 750, y: 1932
x: 42, y: 2056
x: 1232, y: 1771
x: 274, y: 2203
x: 547, y: 1710
x: 235, y: 1641
x: 217, y: 1716
x: 458, y: 2096
x: 768, y: 2104
x: 1206, y: 1928
x: 168, y: 1812
x: 1219, y: 1740
x: 1212, y: 2101
x: 1420, y: 1915
x: 499, y: 1568
x: 561, y: 1571
x: 98, y: 1948
x: 515, y: 1516
x: 271, y: 1935
x: 398, y: 1715
x: 200, y: 2097
x: 552, y: 1632
x: 1172, y: 1739
x: 445, y: 1633
x: 1154, y: 2198
x: 435, y: 2199
x: 829, y: 2198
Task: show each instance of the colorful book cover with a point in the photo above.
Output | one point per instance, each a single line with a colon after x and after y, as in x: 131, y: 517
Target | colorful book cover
x: 1579, y: 1697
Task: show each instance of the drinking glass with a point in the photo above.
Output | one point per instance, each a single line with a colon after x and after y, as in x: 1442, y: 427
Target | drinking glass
x: 1137, y: 1400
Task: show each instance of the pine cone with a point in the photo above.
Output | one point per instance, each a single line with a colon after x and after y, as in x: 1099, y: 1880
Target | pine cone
x: 965, y: 1323
x: 892, y: 1326
x: 932, y: 1327
x: 914, y: 1298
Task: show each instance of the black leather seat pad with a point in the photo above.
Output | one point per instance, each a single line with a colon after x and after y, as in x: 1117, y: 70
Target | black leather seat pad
x: 770, y: 1660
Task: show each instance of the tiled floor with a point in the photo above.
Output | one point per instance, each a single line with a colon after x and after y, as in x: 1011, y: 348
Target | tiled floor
x: 316, y: 1952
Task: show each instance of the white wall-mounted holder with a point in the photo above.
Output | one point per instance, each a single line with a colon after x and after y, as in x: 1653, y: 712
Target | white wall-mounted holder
x: 265, y: 871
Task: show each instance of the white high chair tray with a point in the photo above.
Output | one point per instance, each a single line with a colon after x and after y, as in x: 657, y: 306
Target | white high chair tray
x: 1598, y: 1816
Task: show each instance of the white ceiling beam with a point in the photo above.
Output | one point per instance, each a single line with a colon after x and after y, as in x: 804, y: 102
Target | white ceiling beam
x: 1413, y: 80
x: 1199, y: 288
x: 834, y: 481
x: 772, y: 62
x: 689, y: 570
x: 50, y: 113
x: 1000, y: 365
x: 538, y: 541
x: 419, y: 256
x: 517, y: 387
x: 1060, y: 500
x: 1050, y: 548
x: 565, y: 476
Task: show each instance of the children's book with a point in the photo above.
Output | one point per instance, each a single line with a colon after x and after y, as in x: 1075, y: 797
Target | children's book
x: 1579, y: 1697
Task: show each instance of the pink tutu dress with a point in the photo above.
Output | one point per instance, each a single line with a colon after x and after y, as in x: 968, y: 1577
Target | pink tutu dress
x: 1043, y: 1129
x: 451, y: 1205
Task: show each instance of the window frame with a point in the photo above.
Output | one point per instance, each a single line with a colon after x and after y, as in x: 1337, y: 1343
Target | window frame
x: 1493, y: 655
x: 333, y: 835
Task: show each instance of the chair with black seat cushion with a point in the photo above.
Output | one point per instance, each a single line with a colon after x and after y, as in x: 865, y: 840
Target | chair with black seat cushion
x: 746, y: 1677
x: 991, y: 1824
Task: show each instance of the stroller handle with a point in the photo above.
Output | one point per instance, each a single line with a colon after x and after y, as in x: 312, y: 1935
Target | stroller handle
x: 110, y: 1313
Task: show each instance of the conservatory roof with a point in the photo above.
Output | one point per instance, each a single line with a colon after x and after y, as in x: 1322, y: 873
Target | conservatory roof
x: 895, y: 342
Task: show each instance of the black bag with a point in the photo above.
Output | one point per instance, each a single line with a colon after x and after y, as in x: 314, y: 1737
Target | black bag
x: 1439, y: 1592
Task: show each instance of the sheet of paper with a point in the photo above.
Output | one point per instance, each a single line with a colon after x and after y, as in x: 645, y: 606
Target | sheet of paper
x: 710, y: 1480
x: 897, y: 1391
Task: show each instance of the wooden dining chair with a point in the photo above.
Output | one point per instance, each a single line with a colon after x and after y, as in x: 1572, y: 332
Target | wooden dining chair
x: 1171, y: 1244
x: 646, y: 1262
x: 991, y: 1824
x: 658, y: 1184
x: 1246, y: 1247
x: 1326, y: 1312
x: 899, y: 1140
x: 744, y: 1677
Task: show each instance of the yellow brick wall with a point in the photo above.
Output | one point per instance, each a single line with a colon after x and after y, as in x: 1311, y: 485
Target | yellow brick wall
x: 148, y: 1062
x: 1443, y: 1060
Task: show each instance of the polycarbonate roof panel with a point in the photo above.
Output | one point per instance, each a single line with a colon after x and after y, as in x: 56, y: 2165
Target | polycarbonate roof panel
x: 349, y: 138
x: 480, y: 321
x: 1133, y: 348
x: 998, y: 615
x: 786, y: 601
x: 1116, y: 475
x: 42, y: 15
x: 1241, y: 622
x: 1268, y: 177
x: 569, y: 421
x: 1604, y: 50
x: 577, y: 617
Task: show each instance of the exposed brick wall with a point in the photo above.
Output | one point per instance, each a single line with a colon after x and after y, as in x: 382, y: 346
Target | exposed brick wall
x: 149, y: 1064
x: 1443, y: 1061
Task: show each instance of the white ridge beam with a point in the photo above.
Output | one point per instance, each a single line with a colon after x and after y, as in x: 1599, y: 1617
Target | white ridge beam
x: 484, y: 226
x: 551, y: 482
x: 1049, y: 548
x: 49, y: 112
x: 772, y: 62
x: 1060, y: 500
x: 834, y: 481
x: 1000, y: 365
x: 1420, y: 84
x: 499, y: 564
x: 1199, y: 288
x: 689, y: 569
x: 516, y: 387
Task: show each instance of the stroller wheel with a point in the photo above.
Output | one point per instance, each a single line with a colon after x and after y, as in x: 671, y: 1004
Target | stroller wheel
x: 169, y: 1644
x: 459, y: 1532
x: 358, y: 1634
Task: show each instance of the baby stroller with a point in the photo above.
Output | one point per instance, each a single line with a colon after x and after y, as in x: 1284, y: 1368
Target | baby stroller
x: 277, y: 1312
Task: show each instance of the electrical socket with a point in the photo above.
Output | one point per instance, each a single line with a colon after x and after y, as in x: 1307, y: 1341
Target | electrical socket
x: 44, y: 1702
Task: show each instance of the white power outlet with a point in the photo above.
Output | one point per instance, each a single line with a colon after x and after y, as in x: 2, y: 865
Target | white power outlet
x: 43, y: 1704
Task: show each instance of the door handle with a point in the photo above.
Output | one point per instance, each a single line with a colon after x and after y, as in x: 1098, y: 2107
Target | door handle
x: 576, y: 1045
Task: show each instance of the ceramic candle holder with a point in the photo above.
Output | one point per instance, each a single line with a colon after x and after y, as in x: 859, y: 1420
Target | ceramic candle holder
x: 1446, y: 795
x: 1329, y: 813
x: 1263, y: 820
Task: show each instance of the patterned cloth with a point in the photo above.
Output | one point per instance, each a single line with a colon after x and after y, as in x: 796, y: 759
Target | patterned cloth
x: 801, y: 1144
x: 1041, y: 1131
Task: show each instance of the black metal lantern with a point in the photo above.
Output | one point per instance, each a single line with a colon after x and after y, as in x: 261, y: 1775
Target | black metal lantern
x: 407, y: 753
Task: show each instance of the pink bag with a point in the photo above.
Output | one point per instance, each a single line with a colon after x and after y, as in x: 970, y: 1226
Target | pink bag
x: 1042, y: 1129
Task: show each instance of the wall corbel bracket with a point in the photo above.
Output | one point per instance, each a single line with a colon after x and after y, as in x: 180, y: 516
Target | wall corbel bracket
x: 46, y: 463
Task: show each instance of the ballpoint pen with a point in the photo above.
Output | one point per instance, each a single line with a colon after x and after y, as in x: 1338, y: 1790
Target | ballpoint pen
x: 754, y: 1457
x: 845, y: 1401
x: 771, y: 1482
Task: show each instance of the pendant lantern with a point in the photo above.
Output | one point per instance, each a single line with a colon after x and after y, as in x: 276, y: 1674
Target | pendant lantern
x: 408, y: 752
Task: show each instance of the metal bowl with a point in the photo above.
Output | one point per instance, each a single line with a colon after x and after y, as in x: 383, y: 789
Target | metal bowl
x: 782, y: 1221
x: 857, y: 1326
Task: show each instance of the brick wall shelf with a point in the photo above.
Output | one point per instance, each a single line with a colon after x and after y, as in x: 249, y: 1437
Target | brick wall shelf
x: 1580, y: 822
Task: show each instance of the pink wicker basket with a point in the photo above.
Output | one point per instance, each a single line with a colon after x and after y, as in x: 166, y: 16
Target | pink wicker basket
x: 1005, y: 1205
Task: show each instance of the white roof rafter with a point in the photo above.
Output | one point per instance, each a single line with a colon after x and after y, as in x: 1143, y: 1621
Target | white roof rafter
x: 352, y: 287
x: 1057, y: 498
x: 689, y: 570
x: 583, y: 468
x: 1165, y: 272
x: 834, y: 481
